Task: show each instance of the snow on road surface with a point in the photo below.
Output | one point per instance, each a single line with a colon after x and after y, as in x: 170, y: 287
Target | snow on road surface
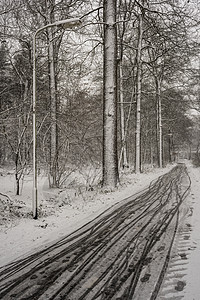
x: 28, y: 235
x: 192, y: 278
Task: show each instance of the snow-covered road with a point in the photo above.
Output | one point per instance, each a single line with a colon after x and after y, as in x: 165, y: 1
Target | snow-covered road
x: 30, y: 235
x: 192, y: 278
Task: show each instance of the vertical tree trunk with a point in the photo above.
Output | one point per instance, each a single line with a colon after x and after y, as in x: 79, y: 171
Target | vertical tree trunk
x: 138, y: 98
x: 122, y: 118
x: 110, y: 166
x: 24, y: 142
x: 53, y: 105
x: 16, y: 173
x: 159, y: 123
x: 151, y: 150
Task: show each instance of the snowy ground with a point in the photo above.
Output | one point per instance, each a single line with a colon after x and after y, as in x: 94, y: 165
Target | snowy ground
x: 64, y: 212
x: 192, y: 288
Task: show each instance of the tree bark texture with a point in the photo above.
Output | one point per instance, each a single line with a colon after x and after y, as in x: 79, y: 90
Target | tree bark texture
x: 122, y: 118
x: 53, y: 105
x: 138, y: 98
x: 159, y: 123
x: 110, y: 162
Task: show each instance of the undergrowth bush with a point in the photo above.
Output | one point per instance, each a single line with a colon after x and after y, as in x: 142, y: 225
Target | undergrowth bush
x: 196, y: 160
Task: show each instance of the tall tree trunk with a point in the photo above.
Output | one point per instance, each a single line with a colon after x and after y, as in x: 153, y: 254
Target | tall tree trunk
x: 16, y: 173
x: 159, y: 123
x: 53, y: 105
x: 138, y: 98
x: 151, y: 149
x: 25, y: 98
x: 110, y: 166
x: 122, y: 118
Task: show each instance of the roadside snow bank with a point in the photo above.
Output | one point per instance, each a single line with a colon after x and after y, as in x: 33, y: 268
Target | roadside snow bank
x: 192, y: 288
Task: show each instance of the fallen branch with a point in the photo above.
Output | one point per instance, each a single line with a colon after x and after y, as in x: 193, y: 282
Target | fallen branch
x: 4, y: 195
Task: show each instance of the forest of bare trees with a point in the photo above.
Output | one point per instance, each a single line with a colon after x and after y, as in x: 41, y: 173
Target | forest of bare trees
x: 114, y: 92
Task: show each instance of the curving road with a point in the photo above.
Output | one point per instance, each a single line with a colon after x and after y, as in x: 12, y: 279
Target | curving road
x: 122, y: 254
